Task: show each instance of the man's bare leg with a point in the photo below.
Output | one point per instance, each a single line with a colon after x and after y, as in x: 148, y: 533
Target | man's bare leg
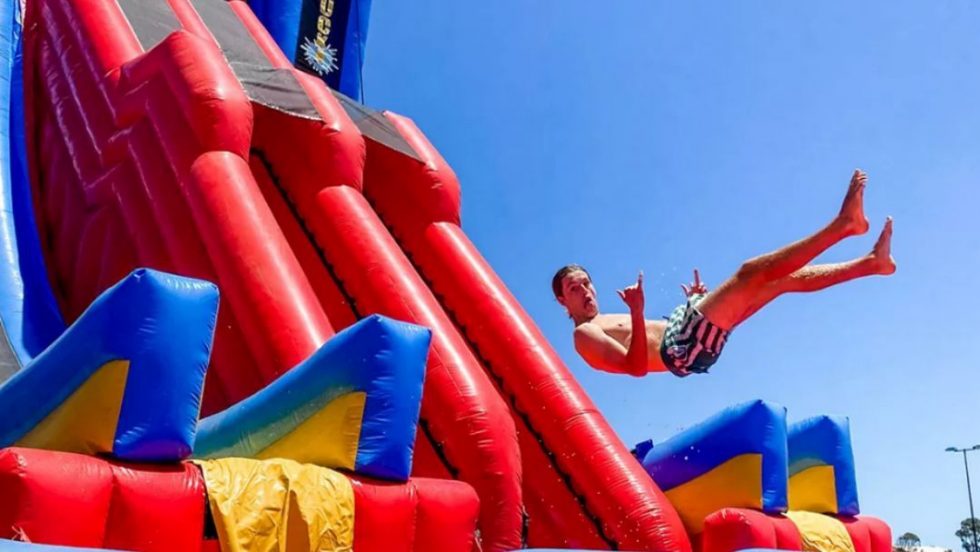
x: 725, y: 305
x: 850, y: 221
x: 817, y: 277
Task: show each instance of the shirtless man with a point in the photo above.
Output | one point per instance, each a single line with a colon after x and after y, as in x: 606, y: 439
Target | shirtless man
x: 693, y: 337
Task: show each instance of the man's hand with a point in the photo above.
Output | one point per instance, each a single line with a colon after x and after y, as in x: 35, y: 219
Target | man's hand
x: 696, y: 288
x: 633, y: 295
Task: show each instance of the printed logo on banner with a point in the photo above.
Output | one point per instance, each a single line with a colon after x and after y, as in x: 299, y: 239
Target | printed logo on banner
x: 320, y: 58
x: 323, y: 26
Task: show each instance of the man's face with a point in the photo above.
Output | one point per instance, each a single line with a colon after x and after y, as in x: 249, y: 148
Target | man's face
x: 578, y: 295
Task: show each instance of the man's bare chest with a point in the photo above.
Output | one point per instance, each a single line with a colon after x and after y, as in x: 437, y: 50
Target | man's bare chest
x: 620, y: 328
x: 616, y: 326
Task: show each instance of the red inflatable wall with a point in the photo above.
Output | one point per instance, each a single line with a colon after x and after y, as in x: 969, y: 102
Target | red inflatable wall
x: 736, y: 529
x: 437, y: 514
x: 869, y: 534
x: 75, y: 500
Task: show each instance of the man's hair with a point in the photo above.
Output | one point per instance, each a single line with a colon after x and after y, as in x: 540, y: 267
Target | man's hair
x: 560, y: 275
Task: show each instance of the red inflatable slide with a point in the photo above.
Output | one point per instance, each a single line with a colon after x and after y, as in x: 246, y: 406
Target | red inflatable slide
x: 175, y: 135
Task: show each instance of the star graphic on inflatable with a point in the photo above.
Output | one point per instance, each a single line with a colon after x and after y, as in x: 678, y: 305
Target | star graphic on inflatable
x: 322, y: 59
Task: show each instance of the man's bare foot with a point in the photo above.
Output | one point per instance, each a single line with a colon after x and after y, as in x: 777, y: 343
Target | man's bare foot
x: 881, y: 255
x: 851, y: 216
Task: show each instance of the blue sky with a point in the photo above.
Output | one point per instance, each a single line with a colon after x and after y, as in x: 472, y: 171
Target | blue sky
x: 669, y: 135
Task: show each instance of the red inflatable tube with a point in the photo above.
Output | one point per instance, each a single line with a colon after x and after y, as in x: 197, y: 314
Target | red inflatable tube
x: 868, y: 534
x: 109, y: 47
x: 196, y: 87
x: 49, y: 203
x: 733, y: 529
x: 118, y: 257
x: 190, y: 20
x: 52, y: 189
x: 85, y: 275
x: 80, y: 78
x: 257, y: 267
x: 99, y: 25
x: 75, y: 500
x: 65, y: 242
x: 437, y: 514
x: 556, y: 517
x: 184, y: 248
x: 737, y: 529
x: 39, y: 488
x: 331, y: 298
x: 66, y: 110
x: 64, y: 202
x: 460, y: 408
x: 148, y: 240
x: 446, y: 515
x: 426, y: 462
x: 420, y: 202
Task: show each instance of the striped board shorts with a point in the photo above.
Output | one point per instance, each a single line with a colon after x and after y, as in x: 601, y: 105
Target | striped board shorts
x: 691, y: 343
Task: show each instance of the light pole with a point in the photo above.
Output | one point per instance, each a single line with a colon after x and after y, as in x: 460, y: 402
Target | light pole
x: 969, y: 491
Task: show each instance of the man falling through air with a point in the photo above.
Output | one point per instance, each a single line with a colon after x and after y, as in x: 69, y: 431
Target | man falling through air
x: 691, y: 340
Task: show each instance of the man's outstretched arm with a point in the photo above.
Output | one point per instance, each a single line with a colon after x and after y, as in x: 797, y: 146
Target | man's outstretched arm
x: 604, y: 353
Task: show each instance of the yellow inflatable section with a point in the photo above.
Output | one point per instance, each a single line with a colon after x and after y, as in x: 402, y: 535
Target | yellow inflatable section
x: 340, y: 419
x: 86, y: 422
x: 813, y: 490
x: 279, y: 505
x: 821, y: 533
x: 728, y: 485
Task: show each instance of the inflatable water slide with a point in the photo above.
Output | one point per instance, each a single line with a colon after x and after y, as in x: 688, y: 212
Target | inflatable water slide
x: 240, y: 313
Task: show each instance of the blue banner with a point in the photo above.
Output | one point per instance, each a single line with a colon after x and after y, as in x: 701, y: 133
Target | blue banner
x: 323, y: 37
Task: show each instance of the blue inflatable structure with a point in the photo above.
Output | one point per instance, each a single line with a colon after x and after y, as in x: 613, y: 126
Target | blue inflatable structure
x: 354, y: 404
x: 125, y: 379
x: 736, y: 458
x: 821, y: 466
x: 28, y: 311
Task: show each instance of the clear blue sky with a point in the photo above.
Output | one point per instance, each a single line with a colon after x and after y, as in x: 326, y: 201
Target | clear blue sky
x: 663, y: 135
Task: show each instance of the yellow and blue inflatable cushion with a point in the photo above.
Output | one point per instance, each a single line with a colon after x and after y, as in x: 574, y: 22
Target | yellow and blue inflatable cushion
x: 125, y: 379
x: 821, y: 467
x: 736, y: 458
x: 354, y: 404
